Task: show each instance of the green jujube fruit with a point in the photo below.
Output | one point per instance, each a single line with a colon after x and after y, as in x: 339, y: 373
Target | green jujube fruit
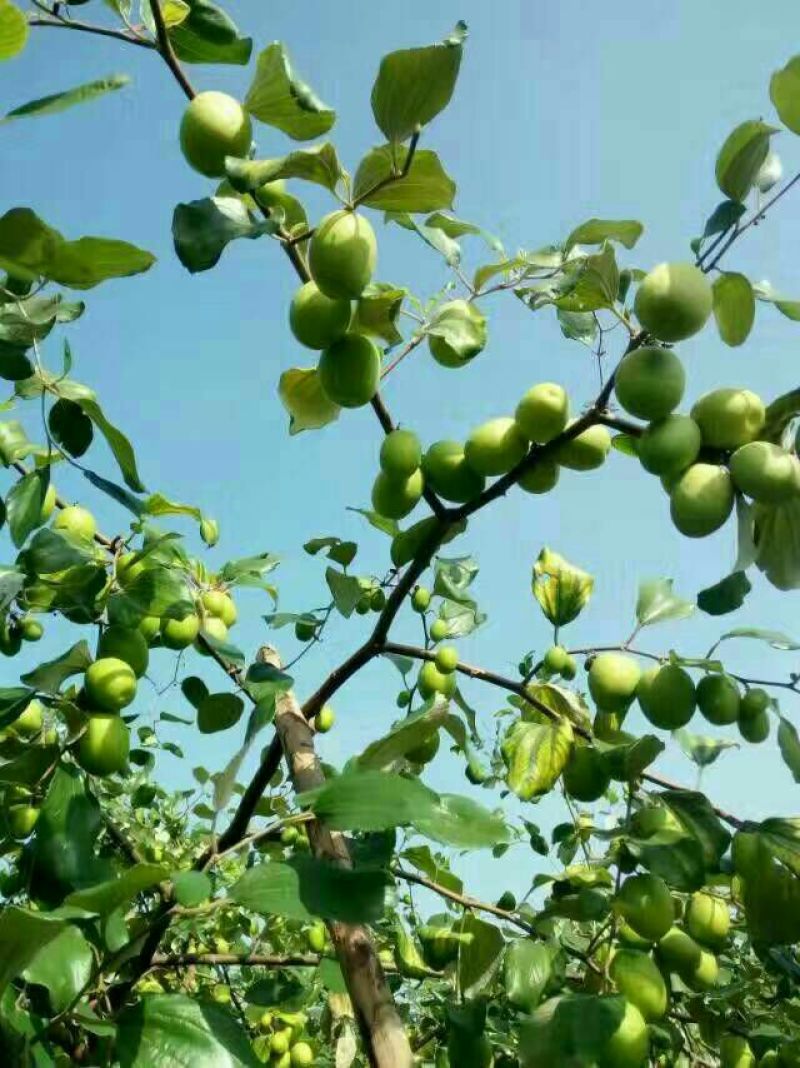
x: 342, y: 254
x: 707, y: 920
x: 103, y: 748
x: 674, y: 301
x: 316, y: 320
x: 765, y: 472
x: 636, y: 975
x: 701, y: 500
x: 542, y: 413
x: 110, y: 684
x: 586, y: 777
x: 466, y: 334
x: 540, y: 476
x: 395, y: 498
x: 613, y: 678
x: 645, y: 903
x: 586, y: 451
x: 729, y: 418
x: 401, y: 454
x: 667, y: 696
x: 214, y: 126
x: 718, y: 699
x: 495, y: 447
x: 649, y: 382
x: 755, y: 729
x: 179, y: 633
x: 678, y: 951
x: 448, y: 473
x: 432, y: 681
x: 670, y: 445
x: 350, y: 371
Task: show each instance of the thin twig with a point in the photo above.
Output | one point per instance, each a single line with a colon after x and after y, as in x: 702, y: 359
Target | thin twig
x: 87, y: 27
x: 168, y: 52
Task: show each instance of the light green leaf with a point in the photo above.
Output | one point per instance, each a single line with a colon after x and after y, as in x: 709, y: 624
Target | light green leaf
x: 527, y: 969
x: 306, y: 887
x: 777, y: 538
x: 157, y: 504
x: 191, y: 888
x: 302, y: 396
x: 462, y: 823
x: 561, y: 589
x: 701, y: 749
x: 454, y: 228
x: 22, y: 935
x: 591, y: 284
x: 173, y: 12
x: 104, y: 898
x: 202, y: 229
x: 403, y: 737
x: 535, y: 754
x: 63, y: 967
x: 13, y: 30
x: 219, y: 712
x: 167, y: 1030
x: 377, y: 311
x: 734, y: 307
x: 480, y: 955
x: 776, y: 638
x: 209, y: 35
x: 789, y: 745
x: 415, y: 84
x: 277, y: 98
x: 784, y: 92
x: 425, y: 187
x: 346, y: 590
x: 371, y: 801
x: 84, y: 263
x: 319, y: 164
x: 597, y: 231
x: 764, y: 292
x: 433, y: 236
x: 656, y: 603
x: 462, y: 326
x: 49, y: 105
x: 741, y: 156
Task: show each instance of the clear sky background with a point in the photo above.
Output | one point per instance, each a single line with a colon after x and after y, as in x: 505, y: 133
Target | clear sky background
x: 562, y: 112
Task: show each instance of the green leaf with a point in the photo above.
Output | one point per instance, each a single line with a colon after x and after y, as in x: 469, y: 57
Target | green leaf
x: 656, y: 603
x: 277, y: 98
x: 319, y: 164
x: 341, y: 552
x: 424, y: 187
x: 462, y: 823
x: 209, y: 35
x: 561, y: 589
x: 592, y: 284
x: 701, y: 749
x: 302, y: 396
x: 680, y: 863
x: 784, y: 92
x: 725, y: 596
x: 415, y: 84
x: 777, y: 538
x: 191, y: 888
x: 49, y: 552
x: 433, y: 236
x: 49, y: 105
x: 63, y: 966
x: 14, y: 443
x: 27, y: 244
x: 775, y: 638
x: 698, y: 818
x: 305, y: 887
x: 535, y: 754
x: 734, y: 307
x: 202, y: 229
x: 480, y: 955
x: 346, y: 590
x: 741, y: 156
x: 29, y: 768
x: 112, y: 894
x: 24, y: 505
x: 453, y: 228
x: 370, y: 801
x: 70, y: 428
x: 579, y: 326
x: 377, y: 312
x: 13, y: 701
x: 13, y: 30
x: 462, y: 326
x: 527, y: 969
x: 764, y: 292
x: 87, y: 262
x: 436, y: 869
x: 22, y: 935
x: 789, y: 745
x: 219, y: 712
x: 628, y: 757
x: 597, y: 231
x: 403, y: 737
x: 723, y: 217
x: 50, y: 676
x: 165, y: 1030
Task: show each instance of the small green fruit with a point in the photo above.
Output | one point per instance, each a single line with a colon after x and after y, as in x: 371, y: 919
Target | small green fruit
x: 149, y: 627
x: 707, y: 920
x: 645, y: 903
x: 446, y: 659
x: 705, y: 975
x: 324, y: 719
x: 718, y: 699
x: 754, y: 729
x: 539, y: 477
x: 76, y: 521
x: 637, y: 977
x: 613, y: 678
x: 586, y: 451
x: 425, y: 751
x: 729, y: 418
x: 650, y: 382
x: 670, y: 445
x: 350, y: 371
x: 214, y: 126
x: 127, y: 645
x: 305, y: 629
x: 674, y: 301
x: 555, y: 658
x: 439, y: 630
x: 586, y: 776
x: 214, y: 628
x: 667, y: 696
x: 110, y: 684
x: 403, y: 699
x: 316, y: 320
x: 458, y: 314
x: 31, y: 630
x: 316, y: 936
x: 20, y: 821
x: 570, y: 669
x: 765, y: 472
x: 542, y: 413
x: 128, y: 569
x: 30, y: 721
x: 432, y: 681
x: 377, y: 600
x: 395, y: 499
x: 420, y: 599
x: 448, y: 473
x: 302, y: 1055
x: 679, y: 952
x: 342, y: 254
x: 735, y: 1052
x: 401, y: 454
x: 103, y: 748
x: 754, y: 702
x: 179, y: 633
x: 495, y: 447
x: 279, y: 1043
x: 701, y: 500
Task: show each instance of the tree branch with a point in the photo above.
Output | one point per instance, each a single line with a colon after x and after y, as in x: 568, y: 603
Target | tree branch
x: 87, y: 27
x: 167, y: 52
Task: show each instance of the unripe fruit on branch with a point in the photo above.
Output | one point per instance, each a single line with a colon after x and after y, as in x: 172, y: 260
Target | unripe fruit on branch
x: 324, y: 720
x: 212, y: 627
x: 613, y: 678
x: 350, y: 371
x: 586, y: 776
x: 473, y: 334
x: 30, y: 721
x: 432, y: 681
x: 670, y: 445
x: 729, y: 418
x: 110, y: 684
x: 765, y: 472
x: 635, y: 975
x: 674, y: 301
x: 214, y: 126
x: 495, y: 447
x: 20, y: 821
x: 650, y: 382
x: 448, y: 473
x: 701, y: 500
x: 667, y: 696
x: 76, y: 521
x: 586, y: 451
x: 103, y: 748
x: 125, y: 644
x: 542, y: 413
x: 220, y: 604
x: 645, y: 903
x: 447, y: 659
x: 718, y: 699
x: 342, y: 254
x: 401, y: 454
x: 707, y: 920
x: 540, y: 476
x: 420, y: 599
x: 396, y: 498
x: 316, y: 320
x: 179, y: 633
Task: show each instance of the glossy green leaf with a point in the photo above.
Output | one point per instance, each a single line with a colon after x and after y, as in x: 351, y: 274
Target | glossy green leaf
x: 724, y: 596
x: 462, y: 823
x: 13, y: 30
x: 191, y: 888
x: 789, y: 745
x: 202, y: 229
x: 371, y: 801
x: 87, y: 262
x: 784, y: 92
x: 415, y: 84
x: 480, y: 956
x: 378, y: 310
x: 680, y: 863
x: 701, y: 749
x: 734, y: 307
x: 63, y: 966
x: 209, y: 35
x: 596, y: 231
x: 306, y: 887
x: 775, y: 638
x: 55, y: 102
x: 278, y: 98
x: 453, y: 228
x: 535, y: 754
x: 424, y: 187
x: 24, y: 505
x: 341, y: 552
x: 404, y: 736
x: 13, y: 701
x: 741, y: 156
x: 50, y: 676
x: 22, y: 935
x: 49, y: 551
x: 318, y: 164
x: 463, y: 327
x: 589, y: 285
x: 219, y: 712
x: 166, y: 1030
x: 107, y: 896
x: 698, y: 818
x: 656, y: 603
x: 527, y: 969
x: 302, y: 396
x: 561, y: 589
x: 346, y: 590
x: 70, y: 427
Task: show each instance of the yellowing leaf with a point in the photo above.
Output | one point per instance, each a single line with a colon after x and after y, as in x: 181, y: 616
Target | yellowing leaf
x: 561, y: 589
x: 535, y: 755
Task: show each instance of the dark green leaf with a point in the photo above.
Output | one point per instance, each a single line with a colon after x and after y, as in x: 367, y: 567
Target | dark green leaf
x: 49, y: 105
x: 306, y: 887
x: 679, y: 863
x: 49, y: 551
x: 121, y: 448
x: 741, y: 156
x: 480, y: 956
x: 280, y: 99
x: 596, y: 231
x: 725, y: 596
x: 13, y: 701
x: 191, y: 888
x: 24, y: 504
x: 425, y: 187
x: 63, y: 966
x: 723, y: 217
x: 734, y: 307
x: 319, y: 164
x: 346, y: 590
x: 789, y: 745
x: 209, y: 35
x: 202, y: 229
x: 341, y: 552
x: 70, y: 428
x: 107, y: 896
x: 371, y: 801
x: 784, y: 92
x: 698, y: 818
x: 404, y: 736
x: 436, y: 869
x: 218, y: 712
x: 49, y: 677
x: 23, y: 934
x: 165, y: 1030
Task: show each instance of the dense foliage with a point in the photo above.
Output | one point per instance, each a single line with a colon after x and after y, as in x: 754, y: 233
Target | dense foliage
x: 287, y: 919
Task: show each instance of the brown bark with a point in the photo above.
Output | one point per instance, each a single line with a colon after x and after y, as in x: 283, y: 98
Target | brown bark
x: 381, y: 1027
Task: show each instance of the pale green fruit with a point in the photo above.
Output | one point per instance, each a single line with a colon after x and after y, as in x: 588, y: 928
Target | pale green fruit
x: 650, y: 382
x: 674, y: 301
x: 707, y: 919
x: 755, y: 729
x: 420, y: 599
x: 439, y: 630
x: 76, y: 521
x: 394, y: 499
x: 215, y: 628
x: 20, y: 820
x: 446, y: 659
x: 302, y: 1055
x: 495, y: 447
x: 214, y: 126
x: 729, y: 418
x: 628, y: 1046
x: 401, y: 454
x: 539, y: 477
x: 587, y: 450
x: 324, y: 719
x: 432, y: 681
x: 701, y: 500
x: 448, y: 473
x: 555, y: 659
x: 765, y: 472
x: 425, y: 751
x: 667, y: 696
x: 543, y: 412
x: 645, y: 903
x: 705, y: 975
x: 678, y: 951
x: 350, y: 371
x: 342, y: 254
x: 735, y: 1052
x: 30, y: 721
x: 718, y: 699
x: 103, y: 748
x: 220, y: 604
x: 637, y: 977
x: 316, y: 320
x: 179, y: 633
x: 125, y: 644
x: 128, y: 569
x: 473, y: 333
x: 670, y: 445
x: 110, y: 684
x: 149, y: 627
x: 653, y: 819
x: 613, y: 678
x: 31, y: 630
x: 586, y: 776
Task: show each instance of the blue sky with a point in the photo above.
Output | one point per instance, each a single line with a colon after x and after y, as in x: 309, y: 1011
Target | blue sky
x: 562, y: 112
